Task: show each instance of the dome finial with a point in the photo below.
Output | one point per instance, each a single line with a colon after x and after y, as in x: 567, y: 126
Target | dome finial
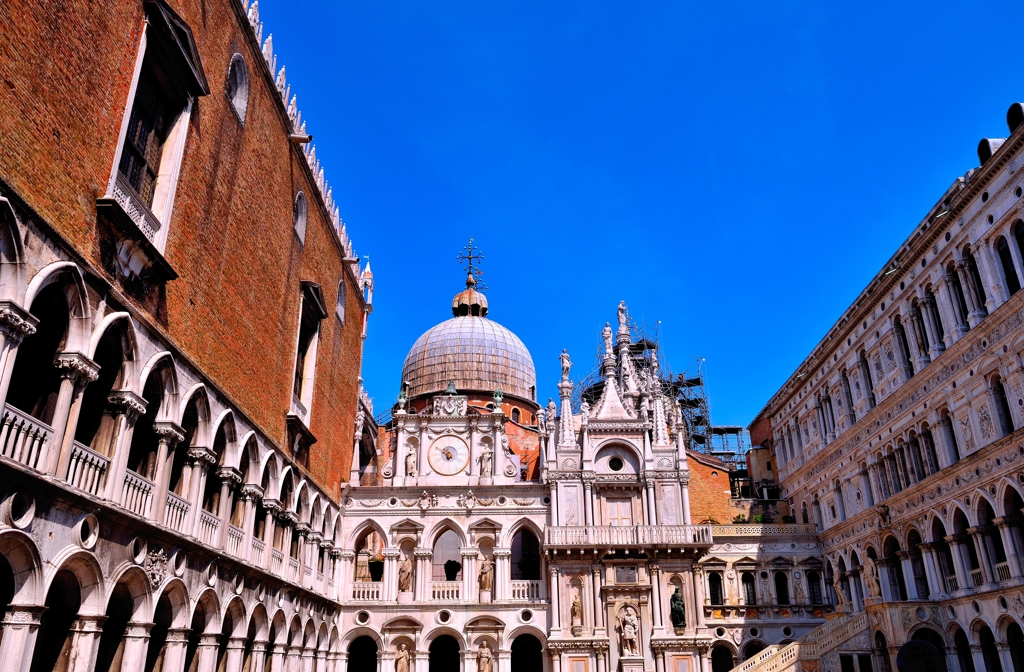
x: 471, y: 300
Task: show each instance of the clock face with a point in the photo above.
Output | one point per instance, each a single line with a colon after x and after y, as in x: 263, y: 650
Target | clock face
x: 448, y: 455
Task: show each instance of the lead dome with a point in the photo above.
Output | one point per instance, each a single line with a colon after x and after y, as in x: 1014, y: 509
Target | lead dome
x: 477, y: 353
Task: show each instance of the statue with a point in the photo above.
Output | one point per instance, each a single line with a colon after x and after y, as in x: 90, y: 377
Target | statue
x: 550, y: 415
x: 798, y: 590
x: 486, y: 461
x: 498, y: 396
x: 486, y: 574
x: 629, y: 633
x: 405, y: 576
x: 584, y: 413
x: 677, y: 609
x: 606, y: 334
x: 484, y: 658
x: 540, y: 418
x: 837, y: 585
x: 871, y: 578
x: 410, y: 462
x: 576, y: 609
x: 622, y: 316
x: 402, y: 659
x: 566, y: 365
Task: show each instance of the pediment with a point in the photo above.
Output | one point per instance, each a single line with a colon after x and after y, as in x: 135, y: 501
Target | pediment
x: 402, y: 624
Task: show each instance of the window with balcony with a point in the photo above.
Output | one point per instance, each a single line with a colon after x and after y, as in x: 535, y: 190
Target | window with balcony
x: 312, y: 312
x: 620, y: 512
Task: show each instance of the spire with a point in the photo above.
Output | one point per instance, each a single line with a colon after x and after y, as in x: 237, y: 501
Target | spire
x: 566, y: 430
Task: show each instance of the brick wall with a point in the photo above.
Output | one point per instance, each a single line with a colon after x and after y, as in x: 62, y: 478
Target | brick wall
x: 65, y: 74
x: 709, y: 490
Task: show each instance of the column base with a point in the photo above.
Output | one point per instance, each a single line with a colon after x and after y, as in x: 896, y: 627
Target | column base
x: 405, y: 597
x: 485, y: 596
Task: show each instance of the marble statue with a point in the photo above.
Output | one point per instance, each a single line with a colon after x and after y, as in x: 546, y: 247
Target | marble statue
x: 486, y: 574
x: 622, y: 316
x: 606, y: 334
x: 798, y: 590
x: 871, y: 578
x: 405, y: 575
x: 677, y: 609
x: 566, y: 365
x: 402, y: 659
x: 584, y: 413
x: 486, y: 461
x: 629, y: 633
x: 484, y: 658
x: 576, y: 609
x: 837, y: 585
x: 410, y: 462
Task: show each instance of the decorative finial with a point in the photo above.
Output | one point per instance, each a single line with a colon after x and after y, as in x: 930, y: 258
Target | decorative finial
x: 469, y: 258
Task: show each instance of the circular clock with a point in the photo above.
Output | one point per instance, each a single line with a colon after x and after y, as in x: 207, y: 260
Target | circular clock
x: 448, y: 456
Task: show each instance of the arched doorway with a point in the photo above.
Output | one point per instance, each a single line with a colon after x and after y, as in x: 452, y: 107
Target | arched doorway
x: 1015, y: 640
x: 119, y: 612
x: 53, y: 640
x: 752, y: 649
x: 923, y: 653
x: 362, y: 655
x: 989, y: 651
x: 444, y: 654
x: 527, y: 653
x: 963, y: 651
x: 721, y: 659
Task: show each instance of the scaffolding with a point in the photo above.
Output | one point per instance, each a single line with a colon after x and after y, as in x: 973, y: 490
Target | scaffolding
x: 688, y: 387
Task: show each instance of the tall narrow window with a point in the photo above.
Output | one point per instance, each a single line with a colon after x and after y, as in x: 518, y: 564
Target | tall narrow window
x: 312, y: 312
x: 865, y: 372
x: 1009, y: 272
x: 958, y: 298
x: 153, y: 114
x: 715, y: 588
x: 1018, y: 236
x: 749, y: 590
x: 339, y: 306
x: 299, y: 217
x: 904, y: 345
x: 781, y: 588
x: 237, y: 86
x: 974, y: 276
x: 620, y: 512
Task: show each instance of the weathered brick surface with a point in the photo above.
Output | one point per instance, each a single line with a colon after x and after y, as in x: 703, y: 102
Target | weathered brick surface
x: 65, y: 74
x: 709, y: 490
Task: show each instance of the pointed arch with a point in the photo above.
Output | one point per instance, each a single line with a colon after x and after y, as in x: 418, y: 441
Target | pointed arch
x: 69, y: 276
x: 13, y: 272
x: 249, y: 446
x: 523, y: 523
x: 269, y: 473
x: 199, y: 395
x: 442, y: 526
x: 362, y: 528
x: 162, y: 365
x: 225, y: 421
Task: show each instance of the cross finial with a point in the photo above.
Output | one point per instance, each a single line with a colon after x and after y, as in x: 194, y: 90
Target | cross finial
x: 470, y: 258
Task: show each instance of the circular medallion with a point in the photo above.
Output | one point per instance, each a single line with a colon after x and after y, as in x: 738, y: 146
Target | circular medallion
x: 448, y: 455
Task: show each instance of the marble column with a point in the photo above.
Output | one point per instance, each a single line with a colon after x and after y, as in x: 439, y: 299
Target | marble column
x: 588, y: 503
x: 230, y: 480
x: 81, y: 371
x: 233, y: 656
x: 169, y: 435
x: 175, y: 648
x: 423, y: 574
x: 698, y: 594
x: 959, y: 567
x: 126, y: 408
x: 556, y: 607
x: 502, y: 574
x: 597, y: 579
x: 16, y: 324
x: 1010, y: 546
x: 85, y: 635
x: 19, y: 629
x: 136, y: 645
x: 984, y: 558
x: 657, y: 608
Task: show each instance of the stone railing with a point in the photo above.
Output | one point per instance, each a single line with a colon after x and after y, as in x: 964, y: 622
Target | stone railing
x: 526, y: 590
x: 235, y: 537
x: 811, y: 647
x: 87, y: 469
x: 977, y: 578
x: 749, y: 530
x: 208, y: 525
x: 276, y: 561
x: 258, y: 549
x: 367, y: 591
x: 177, y: 512
x: 445, y: 590
x: 293, y: 569
x: 639, y: 535
x: 138, y: 213
x: 1003, y: 571
x: 23, y: 438
x: 137, y: 493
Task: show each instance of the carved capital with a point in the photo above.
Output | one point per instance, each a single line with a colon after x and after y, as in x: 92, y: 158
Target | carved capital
x: 202, y: 456
x: 230, y: 475
x: 76, y: 367
x: 169, y: 431
x: 251, y: 491
x: 124, y: 402
x: 272, y: 505
x: 15, y: 322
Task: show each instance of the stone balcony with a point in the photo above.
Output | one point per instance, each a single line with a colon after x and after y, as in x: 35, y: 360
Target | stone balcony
x: 606, y: 536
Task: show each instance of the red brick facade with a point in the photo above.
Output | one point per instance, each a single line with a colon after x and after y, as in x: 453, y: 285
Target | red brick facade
x: 710, y: 495
x: 66, y: 70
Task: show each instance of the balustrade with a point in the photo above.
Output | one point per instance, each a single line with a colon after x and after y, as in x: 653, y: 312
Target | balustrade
x: 367, y: 591
x: 445, y: 590
x: 87, y: 469
x: 952, y: 585
x: 640, y: 535
x: 977, y: 577
x: 177, y: 512
x: 137, y: 493
x: 1003, y: 571
x: 208, y: 524
x: 525, y: 591
x: 23, y: 438
x: 293, y: 569
x: 235, y: 537
x: 276, y: 561
x: 258, y: 548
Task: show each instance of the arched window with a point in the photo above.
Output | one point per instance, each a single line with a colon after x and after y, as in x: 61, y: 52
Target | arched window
x: 339, y: 305
x: 237, y: 87
x: 901, y: 337
x: 515, y: 415
x: 1018, y: 236
x: 865, y: 370
x: 894, y: 568
x: 959, y: 299
x: 715, y: 588
x: 299, y: 217
x: 814, y: 587
x: 781, y: 588
x: 1009, y: 272
x: 447, y: 560
x: 525, y: 558
x: 749, y: 589
x: 974, y: 277
x: 1003, y: 419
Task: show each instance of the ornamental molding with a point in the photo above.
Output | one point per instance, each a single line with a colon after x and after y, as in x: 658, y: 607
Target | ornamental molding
x: 16, y: 323
x: 76, y: 367
x: 127, y: 403
x: 155, y: 566
x: 170, y: 431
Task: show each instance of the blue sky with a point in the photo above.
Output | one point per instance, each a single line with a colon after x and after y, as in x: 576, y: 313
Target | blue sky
x: 738, y: 172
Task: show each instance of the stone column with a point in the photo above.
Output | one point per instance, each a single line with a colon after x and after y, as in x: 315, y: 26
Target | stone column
x: 206, y: 652
x: 957, y: 309
x: 936, y: 585
x: 175, y: 648
x: 865, y: 484
x: 249, y: 494
x: 959, y: 568
x: 81, y: 371
x: 908, y: 574
x: 136, y: 644
x: 916, y: 324
x: 978, y: 656
x: 233, y: 656
x: 652, y: 510
x: 307, y: 659
x: 984, y: 557
x: 702, y: 655
x: 553, y: 512
x: 588, y: 503
x: 1005, y: 655
x: 1010, y: 545
x: 423, y: 573
x: 272, y: 508
x: 16, y: 324
x: 20, y: 627
x: 657, y: 607
x: 597, y: 579
x: 935, y: 339
x: 259, y: 656
x: 127, y: 407
x: 230, y: 479
x: 301, y: 529
x: 85, y: 643
x: 470, y: 583
x: 502, y: 574
x: 277, y: 653
x: 684, y: 487
x: 698, y: 593
x: 390, y: 577
x: 169, y: 435
x: 556, y: 607
x: 76, y: 371
x: 973, y: 296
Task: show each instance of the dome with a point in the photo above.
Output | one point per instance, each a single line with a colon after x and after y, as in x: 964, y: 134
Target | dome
x: 475, y: 352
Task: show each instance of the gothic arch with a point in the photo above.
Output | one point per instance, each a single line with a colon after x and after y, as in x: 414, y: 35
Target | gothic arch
x: 138, y: 584
x: 162, y: 365
x: 199, y: 395
x: 977, y: 497
x: 440, y: 528
x: 248, y: 444
x: 21, y: 554
x: 211, y: 609
x: 362, y: 528
x: 69, y: 276
x: 301, y: 498
x: 12, y: 255
x: 86, y: 568
x: 232, y: 452
x: 270, y: 469
x: 521, y: 524
x: 129, y: 374
x: 177, y: 594
x: 1005, y: 492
